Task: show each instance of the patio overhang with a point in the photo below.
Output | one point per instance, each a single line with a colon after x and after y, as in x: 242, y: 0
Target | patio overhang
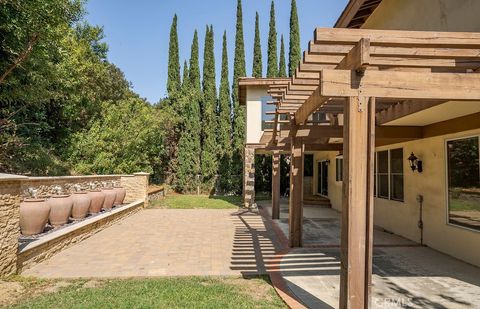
x: 368, y: 79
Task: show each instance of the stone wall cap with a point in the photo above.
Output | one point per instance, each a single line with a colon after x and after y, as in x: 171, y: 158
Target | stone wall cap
x: 142, y: 174
x: 8, y: 177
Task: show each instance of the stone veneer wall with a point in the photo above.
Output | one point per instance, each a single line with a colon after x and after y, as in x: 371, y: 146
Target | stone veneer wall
x: 29, y: 257
x: 13, y: 188
x: 9, y: 224
x: 136, y: 186
x: 249, y: 177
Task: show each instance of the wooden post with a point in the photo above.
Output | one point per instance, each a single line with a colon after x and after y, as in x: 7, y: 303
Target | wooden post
x: 356, y: 234
x: 296, y: 193
x: 276, y: 185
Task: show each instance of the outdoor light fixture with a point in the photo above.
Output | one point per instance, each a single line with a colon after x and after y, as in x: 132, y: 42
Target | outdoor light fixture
x: 415, y: 163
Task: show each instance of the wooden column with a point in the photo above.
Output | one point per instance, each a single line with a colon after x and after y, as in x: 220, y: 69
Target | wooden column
x: 356, y: 234
x: 296, y: 193
x: 276, y: 185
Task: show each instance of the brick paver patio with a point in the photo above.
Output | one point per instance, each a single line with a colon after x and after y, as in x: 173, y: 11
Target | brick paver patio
x: 168, y: 242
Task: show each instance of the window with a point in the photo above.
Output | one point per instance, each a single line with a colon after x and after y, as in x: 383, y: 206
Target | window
x: 319, y: 117
x: 339, y: 169
x: 265, y: 109
x: 308, y: 165
x: 463, y: 177
x: 389, y: 174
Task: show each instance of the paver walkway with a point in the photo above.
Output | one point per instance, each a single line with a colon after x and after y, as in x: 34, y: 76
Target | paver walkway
x: 405, y: 275
x: 168, y: 242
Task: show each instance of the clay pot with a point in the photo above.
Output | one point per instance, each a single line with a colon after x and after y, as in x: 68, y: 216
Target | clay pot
x: 110, y: 195
x: 33, y: 216
x: 97, y: 197
x: 81, y: 204
x: 60, y: 209
x: 120, y: 195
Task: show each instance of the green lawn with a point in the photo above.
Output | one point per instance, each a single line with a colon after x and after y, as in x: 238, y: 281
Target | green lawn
x: 180, y: 292
x: 179, y: 201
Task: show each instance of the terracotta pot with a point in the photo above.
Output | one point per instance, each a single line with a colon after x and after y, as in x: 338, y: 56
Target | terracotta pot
x: 120, y: 195
x: 60, y: 209
x: 97, y: 197
x: 33, y: 216
x: 110, y: 195
x: 81, y: 204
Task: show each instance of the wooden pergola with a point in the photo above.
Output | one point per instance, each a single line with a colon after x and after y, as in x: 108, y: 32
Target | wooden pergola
x: 370, y: 77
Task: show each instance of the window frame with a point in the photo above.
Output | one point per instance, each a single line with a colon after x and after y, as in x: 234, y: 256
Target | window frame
x: 389, y: 175
x: 337, y: 170
x: 447, y: 198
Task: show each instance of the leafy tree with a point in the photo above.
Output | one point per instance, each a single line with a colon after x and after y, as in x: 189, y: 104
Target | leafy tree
x: 295, y: 54
x: 127, y: 138
x: 173, y: 81
x: 209, y: 117
x: 272, y: 68
x: 282, y: 71
x: 257, y: 51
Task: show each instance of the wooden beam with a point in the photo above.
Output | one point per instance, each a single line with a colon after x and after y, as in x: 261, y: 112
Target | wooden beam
x: 353, y: 227
x: 403, y: 109
x: 398, y: 37
x: 460, y: 124
x: 371, y: 137
x: 397, y: 51
x: 286, y: 147
x: 296, y: 194
x: 400, y: 85
x: 276, y: 185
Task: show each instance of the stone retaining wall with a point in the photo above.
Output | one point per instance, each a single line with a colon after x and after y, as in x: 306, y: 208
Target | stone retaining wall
x: 156, y: 194
x: 13, y: 188
x: 55, y: 242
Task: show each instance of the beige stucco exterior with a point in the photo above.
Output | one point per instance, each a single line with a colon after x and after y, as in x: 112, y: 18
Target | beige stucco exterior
x: 401, y: 218
x: 428, y: 15
x: 254, y: 114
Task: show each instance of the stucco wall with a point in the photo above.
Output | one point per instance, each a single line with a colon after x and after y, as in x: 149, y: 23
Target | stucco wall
x: 428, y: 15
x: 334, y: 187
x: 254, y: 114
x: 401, y: 218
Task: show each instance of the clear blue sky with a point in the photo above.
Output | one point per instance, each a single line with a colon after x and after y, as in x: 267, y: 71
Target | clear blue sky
x: 138, y: 32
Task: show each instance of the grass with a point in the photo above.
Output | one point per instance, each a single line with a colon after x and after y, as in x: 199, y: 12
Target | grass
x: 179, y: 292
x: 179, y: 201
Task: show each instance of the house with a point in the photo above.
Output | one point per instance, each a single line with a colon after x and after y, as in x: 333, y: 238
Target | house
x: 406, y: 73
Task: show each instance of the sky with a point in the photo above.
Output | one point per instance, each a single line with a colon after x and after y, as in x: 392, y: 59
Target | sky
x: 137, y: 32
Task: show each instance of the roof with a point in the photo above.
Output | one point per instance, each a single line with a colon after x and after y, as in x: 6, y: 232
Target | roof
x: 245, y: 82
x: 356, y: 13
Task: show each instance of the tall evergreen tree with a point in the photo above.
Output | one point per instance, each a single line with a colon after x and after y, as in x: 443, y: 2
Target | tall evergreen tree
x: 209, y: 117
x: 257, y: 50
x: 282, y: 70
x: 185, y: 80
x: 272, y: 68
x: 173, y: 81
x: 295, y: 54
x: 194, y: 72
x: 190, y: 141
x: 224, y: 136
x: 239, y: 70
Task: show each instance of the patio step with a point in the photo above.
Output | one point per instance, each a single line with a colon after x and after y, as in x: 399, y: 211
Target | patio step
x: 317, y: 201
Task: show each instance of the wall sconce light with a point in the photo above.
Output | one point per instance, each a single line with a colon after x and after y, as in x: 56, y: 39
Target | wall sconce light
x: 415, y: 163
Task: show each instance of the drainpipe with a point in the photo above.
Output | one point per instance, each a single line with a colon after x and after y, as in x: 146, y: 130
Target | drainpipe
x: 420, y: 220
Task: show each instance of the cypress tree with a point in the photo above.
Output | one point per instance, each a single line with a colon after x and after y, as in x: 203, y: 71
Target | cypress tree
x: 185, y: 81
x: 282, y: 71
x: 272, y: 68
x: 257, y: 51
x: 224, y: 123
x: 189, y: 144
x: 173, y: 81
x: 209, y: 117
x: 295, y: 52
x: 194, y: 72
x: 239, y: 70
